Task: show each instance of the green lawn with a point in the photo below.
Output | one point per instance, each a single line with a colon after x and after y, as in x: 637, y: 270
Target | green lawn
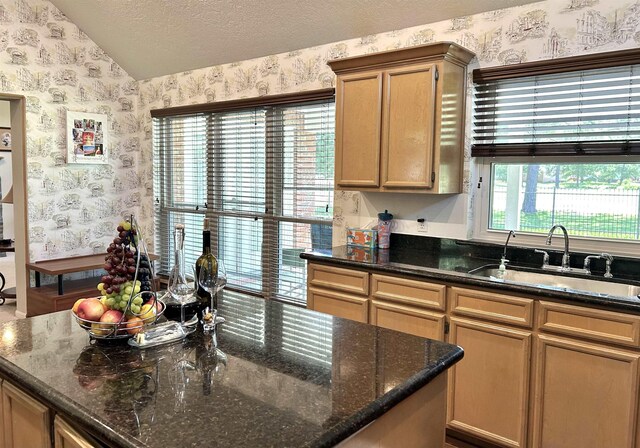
x: 597, y: 225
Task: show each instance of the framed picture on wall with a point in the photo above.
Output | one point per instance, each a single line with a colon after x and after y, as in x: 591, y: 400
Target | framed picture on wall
x: 5, y: 139
x: 87, y: 140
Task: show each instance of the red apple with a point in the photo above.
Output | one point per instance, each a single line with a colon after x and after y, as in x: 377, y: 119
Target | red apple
x: 90, y: 309
x: 111, y: 317
x: 134, y: 325
x: 109, y: 322
x: 76, y: 305
x: 158, y: 305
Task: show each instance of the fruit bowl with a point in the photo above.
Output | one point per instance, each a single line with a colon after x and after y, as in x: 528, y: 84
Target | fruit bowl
x: 114, y: 324
x: 128, y: 303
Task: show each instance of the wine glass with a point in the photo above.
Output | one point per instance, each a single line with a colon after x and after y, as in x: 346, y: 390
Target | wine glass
x: 212, y: 278
x: 182, y: 288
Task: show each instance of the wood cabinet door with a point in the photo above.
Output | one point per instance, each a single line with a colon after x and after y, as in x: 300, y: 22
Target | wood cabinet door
x: 586, y: 395
x: 358, y: 122
x: 408, y: 126
x: 489, y: 387
x: 27, y: 423
x: 407, y: 319
x: 67, y: 437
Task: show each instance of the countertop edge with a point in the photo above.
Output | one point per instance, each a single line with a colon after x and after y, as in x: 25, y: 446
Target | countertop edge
x: 610, y: 303
x: 384, y: 403
x: 60, y: 403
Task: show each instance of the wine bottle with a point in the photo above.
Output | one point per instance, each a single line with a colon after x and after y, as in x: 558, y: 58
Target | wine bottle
x: 207, y: 258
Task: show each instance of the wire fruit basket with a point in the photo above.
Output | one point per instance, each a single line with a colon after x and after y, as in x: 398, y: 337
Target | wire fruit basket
x: 128, y: 303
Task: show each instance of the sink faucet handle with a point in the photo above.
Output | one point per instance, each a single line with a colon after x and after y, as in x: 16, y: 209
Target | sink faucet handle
x: 545, y: 258
x: 608, y: 259
x: 587, y: 263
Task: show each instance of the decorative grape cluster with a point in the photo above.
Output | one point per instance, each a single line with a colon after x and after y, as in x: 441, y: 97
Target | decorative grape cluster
x: 117, y: 285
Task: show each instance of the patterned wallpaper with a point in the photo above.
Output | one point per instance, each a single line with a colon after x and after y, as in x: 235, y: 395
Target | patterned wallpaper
x: 544, y: 30
x: 72, y: 209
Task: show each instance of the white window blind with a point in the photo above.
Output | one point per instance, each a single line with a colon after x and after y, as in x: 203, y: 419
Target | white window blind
x: 581, y: 112
x: 264, y: 177
x: 180, y: 172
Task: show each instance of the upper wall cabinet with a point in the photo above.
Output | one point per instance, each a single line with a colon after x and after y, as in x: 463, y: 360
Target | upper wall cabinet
x: 400, y: 119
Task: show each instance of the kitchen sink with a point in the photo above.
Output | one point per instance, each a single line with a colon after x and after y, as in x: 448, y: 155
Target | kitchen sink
x: 556, y: 280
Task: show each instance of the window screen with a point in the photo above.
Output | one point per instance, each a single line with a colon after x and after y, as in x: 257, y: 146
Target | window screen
x: 580, y: 112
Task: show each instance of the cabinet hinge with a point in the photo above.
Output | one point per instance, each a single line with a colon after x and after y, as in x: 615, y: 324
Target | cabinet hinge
x: 437, y: 74
x: 433, y: 176
x: 446, y: 327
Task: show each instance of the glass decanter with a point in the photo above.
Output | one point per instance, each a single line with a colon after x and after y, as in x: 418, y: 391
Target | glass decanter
x: 181, y: 287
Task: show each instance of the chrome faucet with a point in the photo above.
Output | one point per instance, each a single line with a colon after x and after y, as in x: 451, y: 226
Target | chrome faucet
x: 608, y: 259
x: 565, y: 256
x: 504, y: 260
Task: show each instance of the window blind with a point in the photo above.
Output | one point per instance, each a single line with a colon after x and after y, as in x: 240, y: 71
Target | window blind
x: 180, y: 171
x: 264, y: 177
x: 581, y: 112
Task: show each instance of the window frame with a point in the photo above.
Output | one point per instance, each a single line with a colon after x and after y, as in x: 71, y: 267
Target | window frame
x: 482, y: 174
x: 482, y: 202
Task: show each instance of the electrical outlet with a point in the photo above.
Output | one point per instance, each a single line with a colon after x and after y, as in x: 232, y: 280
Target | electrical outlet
x: 422, y: 225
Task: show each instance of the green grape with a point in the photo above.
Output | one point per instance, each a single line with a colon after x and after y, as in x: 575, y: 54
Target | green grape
x: 137, y: 301
x: 135, y: 309
x: 136, y: 290
x: 110, y: 302
x: 128, y: 290
x: 100, y: 286
x: 126, y: 297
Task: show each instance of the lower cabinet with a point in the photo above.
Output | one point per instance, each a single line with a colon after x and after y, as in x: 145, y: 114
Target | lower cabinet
x: 489, y: 387
x: 579, y: 388
x: 586, y: 395
x: 408, y: 319
x: 27, y: 422
x: 67, y: 437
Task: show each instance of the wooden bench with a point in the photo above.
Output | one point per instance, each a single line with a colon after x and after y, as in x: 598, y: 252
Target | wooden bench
x: 62, y: 294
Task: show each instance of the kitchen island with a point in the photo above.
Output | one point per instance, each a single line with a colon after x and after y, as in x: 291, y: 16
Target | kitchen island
x: 281, y: 376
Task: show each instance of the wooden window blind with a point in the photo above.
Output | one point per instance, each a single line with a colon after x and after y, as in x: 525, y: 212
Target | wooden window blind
x: 571, y: 109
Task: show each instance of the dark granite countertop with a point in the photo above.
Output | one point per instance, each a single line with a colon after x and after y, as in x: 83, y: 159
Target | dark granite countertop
x: 449, y: 261
x: 282, y: 377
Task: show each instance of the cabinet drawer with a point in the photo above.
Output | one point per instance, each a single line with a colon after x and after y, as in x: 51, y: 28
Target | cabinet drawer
x: 348, y: 280
x: 410, y: 292
x: 589, y: 323
x: 491, y: 306
x: 407, y: 319
x: 337, y: 304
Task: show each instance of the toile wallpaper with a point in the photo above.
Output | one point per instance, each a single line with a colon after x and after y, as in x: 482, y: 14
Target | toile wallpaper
x: 72, y: 209
x: 543, y: 30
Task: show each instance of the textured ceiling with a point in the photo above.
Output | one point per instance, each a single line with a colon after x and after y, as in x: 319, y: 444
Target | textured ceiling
x: 150, y: 38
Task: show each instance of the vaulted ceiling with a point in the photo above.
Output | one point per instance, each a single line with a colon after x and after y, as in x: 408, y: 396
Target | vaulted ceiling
x: 150, y: 38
